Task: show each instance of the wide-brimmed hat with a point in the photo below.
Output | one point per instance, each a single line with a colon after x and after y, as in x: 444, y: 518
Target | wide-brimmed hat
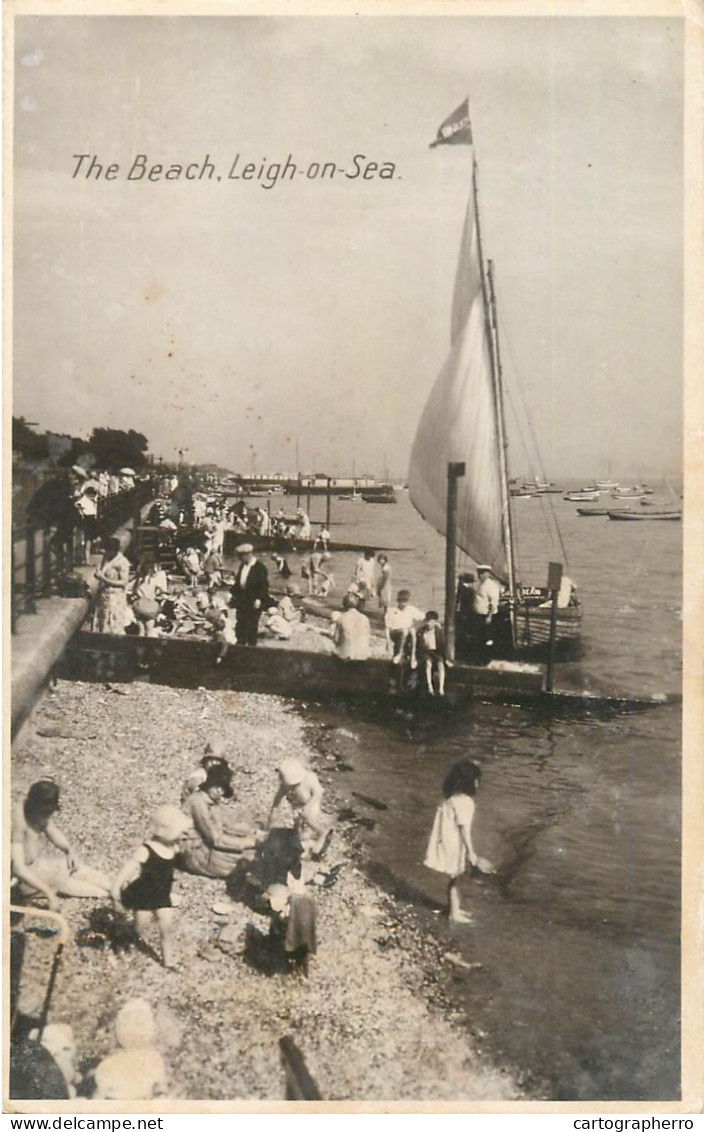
x: 292, y: 771
x: 170, y: 823
x: 79, y: 471
x: 134, y: 1024
x: 244, y: 548
x: 127, y: 472
x: 484, y: 569
x: 216, y: 745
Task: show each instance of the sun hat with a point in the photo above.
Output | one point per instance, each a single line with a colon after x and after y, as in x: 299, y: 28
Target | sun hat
x: 127, y: 472
x: 170, y: 822
x: 292, y: 771
x: 79, y: 471
x: 216, y: 745
x: 484, y: 569
x: 134, y: 1024
x: 244, y: 548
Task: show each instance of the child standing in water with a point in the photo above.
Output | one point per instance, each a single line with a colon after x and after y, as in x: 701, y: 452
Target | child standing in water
x: 450, y: 842
x: 144, y: 882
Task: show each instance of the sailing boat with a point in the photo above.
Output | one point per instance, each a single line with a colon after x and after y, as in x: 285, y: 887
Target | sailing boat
x: 459, y: 478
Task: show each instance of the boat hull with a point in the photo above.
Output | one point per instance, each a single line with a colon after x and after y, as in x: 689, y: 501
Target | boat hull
x: 646, y: 516
x: 532, y: 634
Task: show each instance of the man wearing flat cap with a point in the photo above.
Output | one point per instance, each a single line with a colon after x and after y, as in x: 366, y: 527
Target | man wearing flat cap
x: 250, y: 594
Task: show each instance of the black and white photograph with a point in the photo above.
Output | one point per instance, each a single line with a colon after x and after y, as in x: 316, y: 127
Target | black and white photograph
x: 353, y: 557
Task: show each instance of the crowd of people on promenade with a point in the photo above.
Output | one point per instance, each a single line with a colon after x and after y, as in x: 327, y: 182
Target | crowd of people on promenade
x: 182, y: 581
x: 264, y: 599
x: 73, y: 504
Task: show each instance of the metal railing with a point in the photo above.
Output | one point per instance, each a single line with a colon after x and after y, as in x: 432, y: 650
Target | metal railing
x: 42, y: 556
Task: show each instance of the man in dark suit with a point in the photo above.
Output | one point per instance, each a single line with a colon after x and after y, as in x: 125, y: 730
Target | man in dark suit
x: 250, y: 594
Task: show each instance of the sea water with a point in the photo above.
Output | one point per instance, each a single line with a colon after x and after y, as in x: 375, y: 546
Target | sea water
x: 576, y: 937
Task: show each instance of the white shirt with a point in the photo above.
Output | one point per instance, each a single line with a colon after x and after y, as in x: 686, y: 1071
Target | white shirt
x: 486, y: 596
x: 404, y: 619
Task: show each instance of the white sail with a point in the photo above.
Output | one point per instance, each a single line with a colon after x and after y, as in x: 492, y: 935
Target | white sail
x: 459, y: 423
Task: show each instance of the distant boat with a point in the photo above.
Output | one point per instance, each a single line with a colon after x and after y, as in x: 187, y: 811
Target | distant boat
x: 645, y: 516
x: 584, y: 511
x: 378, y: 498
x: 355, y: 497
x: 606, y: 485
x: 581, y: 496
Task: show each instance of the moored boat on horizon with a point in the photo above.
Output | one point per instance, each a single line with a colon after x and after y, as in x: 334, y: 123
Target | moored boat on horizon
x: 645, y: 516
x: 582, y: 496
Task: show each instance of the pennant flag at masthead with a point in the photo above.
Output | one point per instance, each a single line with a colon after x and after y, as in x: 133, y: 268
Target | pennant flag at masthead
x: 457, y: 129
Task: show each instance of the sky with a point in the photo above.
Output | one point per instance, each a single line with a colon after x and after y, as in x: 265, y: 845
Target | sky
x: 301, y: 326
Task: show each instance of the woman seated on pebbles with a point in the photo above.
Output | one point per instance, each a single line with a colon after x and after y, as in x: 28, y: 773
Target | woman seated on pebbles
x: 214, y: 846
x: 47, y: 875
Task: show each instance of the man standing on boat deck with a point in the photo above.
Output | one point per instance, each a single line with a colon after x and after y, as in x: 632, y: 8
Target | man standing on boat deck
x: 250, y: 594
x: 487, y: 592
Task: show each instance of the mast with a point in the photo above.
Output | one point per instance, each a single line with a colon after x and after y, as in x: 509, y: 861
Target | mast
x: 503, y: 441
x: 489, y: 310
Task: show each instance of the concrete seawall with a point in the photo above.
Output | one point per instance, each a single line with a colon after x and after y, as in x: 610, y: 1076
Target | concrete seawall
x: 40, y: 639
x: 38, y: 642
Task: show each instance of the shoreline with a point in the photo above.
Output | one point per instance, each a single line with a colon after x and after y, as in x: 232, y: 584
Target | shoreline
x: 371, y: 1021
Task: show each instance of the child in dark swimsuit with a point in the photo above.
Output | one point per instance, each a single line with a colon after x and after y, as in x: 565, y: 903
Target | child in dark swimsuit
x: 144, y: 882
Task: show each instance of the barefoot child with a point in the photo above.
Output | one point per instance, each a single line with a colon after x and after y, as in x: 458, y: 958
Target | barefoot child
x: 451, y: 838
x: 144, y: 882
x: 431, y: 646
x: 302, y: 789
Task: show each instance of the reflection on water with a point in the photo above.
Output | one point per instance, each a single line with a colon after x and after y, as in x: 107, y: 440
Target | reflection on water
x: 577, y: 932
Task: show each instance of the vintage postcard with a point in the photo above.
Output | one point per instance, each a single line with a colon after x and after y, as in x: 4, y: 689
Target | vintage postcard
x: 353, y: 472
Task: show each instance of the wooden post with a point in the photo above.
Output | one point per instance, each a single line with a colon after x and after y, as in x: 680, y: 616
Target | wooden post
x: 554, y: 582
x: 298, y: 491
x: 31, y: 570
x: 308, y: 501
x: 454, y: 471
x: 327, y: 508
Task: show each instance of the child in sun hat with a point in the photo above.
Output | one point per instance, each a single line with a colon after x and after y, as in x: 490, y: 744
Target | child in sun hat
x: 136, y: 1071
x: 144, y: 882
x: 450, y: 844
x: 301, y: 788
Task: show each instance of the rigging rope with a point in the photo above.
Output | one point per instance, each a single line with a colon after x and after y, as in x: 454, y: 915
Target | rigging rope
x: 550, y: 512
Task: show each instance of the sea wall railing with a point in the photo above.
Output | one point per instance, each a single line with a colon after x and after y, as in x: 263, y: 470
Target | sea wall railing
x: 43, y: 556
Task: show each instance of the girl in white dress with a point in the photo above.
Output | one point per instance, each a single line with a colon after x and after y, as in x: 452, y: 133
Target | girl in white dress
x: 450, y: 842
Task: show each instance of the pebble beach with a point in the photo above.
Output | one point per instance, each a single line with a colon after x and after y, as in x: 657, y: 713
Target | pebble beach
x: 370, y: 1020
